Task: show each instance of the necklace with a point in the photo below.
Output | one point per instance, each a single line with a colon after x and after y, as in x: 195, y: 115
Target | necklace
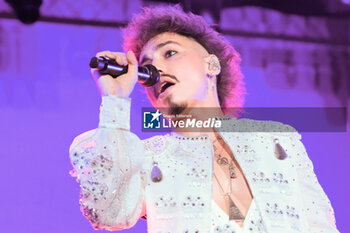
x: 234, y: 212
x: 223, y: 161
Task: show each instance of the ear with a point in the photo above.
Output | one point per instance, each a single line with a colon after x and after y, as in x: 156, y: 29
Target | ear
x: 213, y: 67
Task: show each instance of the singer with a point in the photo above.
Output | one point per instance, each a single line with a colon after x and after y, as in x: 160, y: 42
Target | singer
x: 256, y: 177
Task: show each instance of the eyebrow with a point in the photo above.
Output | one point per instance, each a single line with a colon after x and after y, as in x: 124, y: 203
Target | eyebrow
x: 145, y: 58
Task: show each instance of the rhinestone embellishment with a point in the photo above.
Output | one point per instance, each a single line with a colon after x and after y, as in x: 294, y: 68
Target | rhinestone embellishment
x: 156, y: 174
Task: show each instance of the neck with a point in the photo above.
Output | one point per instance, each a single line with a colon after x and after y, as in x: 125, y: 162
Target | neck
x: 201, y: 111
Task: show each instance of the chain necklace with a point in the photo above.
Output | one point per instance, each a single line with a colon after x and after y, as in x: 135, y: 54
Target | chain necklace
x: 223, y: 161
x: 233, y: 211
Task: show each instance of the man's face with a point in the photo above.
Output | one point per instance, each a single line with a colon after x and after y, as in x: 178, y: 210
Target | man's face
x: 181, y: 61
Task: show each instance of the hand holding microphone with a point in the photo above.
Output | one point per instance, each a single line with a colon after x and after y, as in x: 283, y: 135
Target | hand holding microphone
x: 117, y: 73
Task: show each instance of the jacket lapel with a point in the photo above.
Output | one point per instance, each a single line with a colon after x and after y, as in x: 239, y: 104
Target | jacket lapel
x: 269, y: 178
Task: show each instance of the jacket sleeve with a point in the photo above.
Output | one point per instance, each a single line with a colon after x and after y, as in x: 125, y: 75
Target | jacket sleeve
x: 316, y: 205
x: 107, y: 162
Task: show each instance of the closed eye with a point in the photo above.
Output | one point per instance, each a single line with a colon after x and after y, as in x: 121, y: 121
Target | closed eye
x: 169, y: 53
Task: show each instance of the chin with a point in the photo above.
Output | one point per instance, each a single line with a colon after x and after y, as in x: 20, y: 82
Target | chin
x: 172, y: 107
x: 177, y: 109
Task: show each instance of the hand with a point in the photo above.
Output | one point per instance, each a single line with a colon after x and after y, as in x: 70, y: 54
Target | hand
x: 123, y: 85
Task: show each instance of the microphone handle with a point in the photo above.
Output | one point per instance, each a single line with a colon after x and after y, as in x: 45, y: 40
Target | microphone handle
x: 148, y: 75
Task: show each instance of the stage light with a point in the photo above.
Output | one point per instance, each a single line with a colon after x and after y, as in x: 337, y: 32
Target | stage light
x: 27, y: 11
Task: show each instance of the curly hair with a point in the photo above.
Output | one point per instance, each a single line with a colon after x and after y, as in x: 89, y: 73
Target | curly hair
x: 152, y: 22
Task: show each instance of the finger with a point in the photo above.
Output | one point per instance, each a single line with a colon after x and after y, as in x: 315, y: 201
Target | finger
x: 107, y: 54
x: 119, y: 60
x: 123, y: 58
x: 132, y: 61
x: 131, y: 58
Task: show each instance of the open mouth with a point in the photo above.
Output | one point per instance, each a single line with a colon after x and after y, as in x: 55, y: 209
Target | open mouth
x: 164, y: 86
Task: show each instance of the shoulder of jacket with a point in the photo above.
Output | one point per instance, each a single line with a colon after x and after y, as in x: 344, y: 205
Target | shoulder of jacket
x: 156, y: 144
x: 81, y: 138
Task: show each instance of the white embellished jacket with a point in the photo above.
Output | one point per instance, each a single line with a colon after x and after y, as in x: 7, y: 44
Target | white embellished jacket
x: 114, y: 167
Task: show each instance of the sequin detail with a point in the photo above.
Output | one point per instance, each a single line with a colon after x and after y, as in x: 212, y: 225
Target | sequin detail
x: 110, y: 196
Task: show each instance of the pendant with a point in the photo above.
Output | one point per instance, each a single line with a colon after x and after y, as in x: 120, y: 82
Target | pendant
x: 232, y: 171
x: 234, y: 212
x: 279, y: 151
x: 156, y: 174
x: 222, y: 160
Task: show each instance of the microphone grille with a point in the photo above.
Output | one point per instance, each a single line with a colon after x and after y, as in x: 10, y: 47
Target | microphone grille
x: 94, y: 63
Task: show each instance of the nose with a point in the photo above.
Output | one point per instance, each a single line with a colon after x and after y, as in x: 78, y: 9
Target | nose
x: 160, y: 71
x: 156, y: 62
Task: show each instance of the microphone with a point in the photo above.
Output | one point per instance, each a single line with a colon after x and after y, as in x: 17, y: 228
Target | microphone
x: 148, y: 75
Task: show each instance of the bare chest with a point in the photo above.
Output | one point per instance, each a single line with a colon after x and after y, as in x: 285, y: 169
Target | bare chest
x: 224, y: 187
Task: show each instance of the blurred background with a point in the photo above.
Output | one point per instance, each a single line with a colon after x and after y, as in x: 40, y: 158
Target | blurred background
x: 296, y: 53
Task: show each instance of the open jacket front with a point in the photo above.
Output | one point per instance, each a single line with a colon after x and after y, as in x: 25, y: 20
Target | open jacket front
x: 114, y: 168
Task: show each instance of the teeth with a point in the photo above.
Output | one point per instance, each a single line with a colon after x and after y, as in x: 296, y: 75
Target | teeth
x: 162, y: 87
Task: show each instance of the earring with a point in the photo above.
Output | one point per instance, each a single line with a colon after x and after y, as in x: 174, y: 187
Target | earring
x: 210, y: 77
x: 214, y: 64
x: 212, y: 84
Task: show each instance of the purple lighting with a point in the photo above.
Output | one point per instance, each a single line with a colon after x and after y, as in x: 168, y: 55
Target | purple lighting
x: 48, y: 97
